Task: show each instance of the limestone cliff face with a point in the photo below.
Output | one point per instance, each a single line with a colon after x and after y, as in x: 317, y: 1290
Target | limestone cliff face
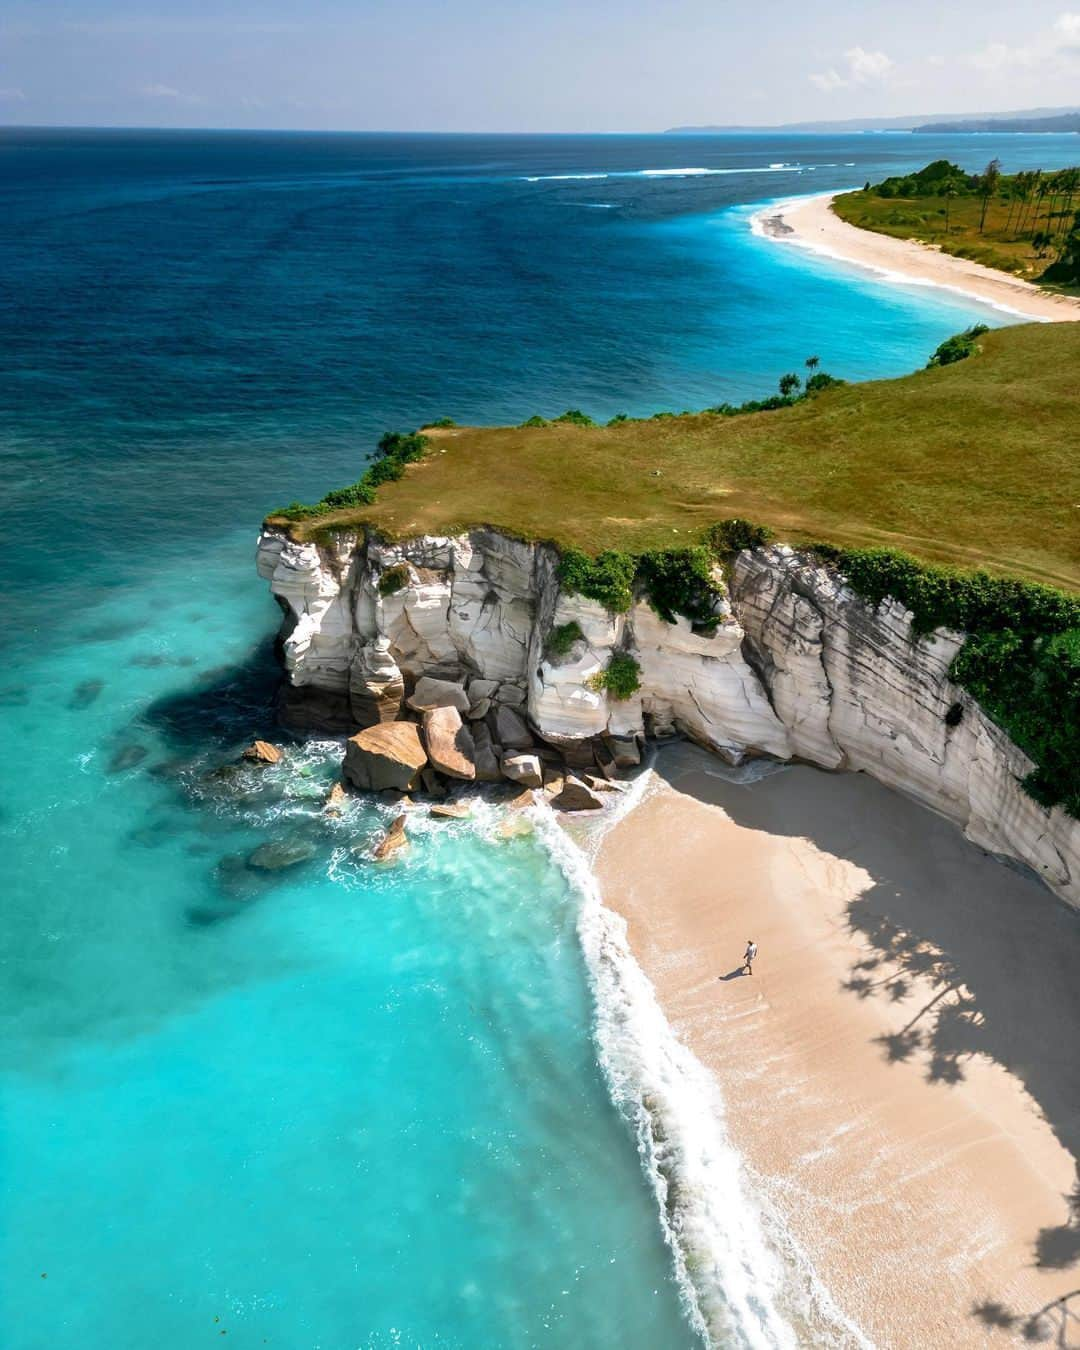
x: 799, y: 666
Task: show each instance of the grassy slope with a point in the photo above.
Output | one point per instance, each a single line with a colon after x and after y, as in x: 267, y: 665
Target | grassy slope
x: 976, y: 463
x: 923, y: 219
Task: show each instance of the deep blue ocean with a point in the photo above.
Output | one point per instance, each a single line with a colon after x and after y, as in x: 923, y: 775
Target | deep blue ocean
x: 334, y: 1106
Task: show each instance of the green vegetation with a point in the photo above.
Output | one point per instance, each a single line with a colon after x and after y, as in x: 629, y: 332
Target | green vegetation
x: 681, y: 581
x: 393, y: 453
x: 607, y: 578
x: 959, y: 347
x: 440, y: 424
x: 576, y: 418
x: 394, y: 579
x: 621, y: 678
x: 561, y: 640
x: 1020, y: 662
x: 973, y: 464
x: 1014, y: 222
x: 732, y: 536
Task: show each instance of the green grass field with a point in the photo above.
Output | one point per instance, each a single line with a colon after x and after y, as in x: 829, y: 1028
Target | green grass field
x: 975, y: 464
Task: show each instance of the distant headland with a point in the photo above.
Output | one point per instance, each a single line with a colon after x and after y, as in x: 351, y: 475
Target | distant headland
x: 1012, y: 120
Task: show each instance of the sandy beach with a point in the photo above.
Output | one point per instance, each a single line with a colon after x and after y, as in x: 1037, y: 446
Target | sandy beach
x: 811, y: 223
x: 900, y: 1072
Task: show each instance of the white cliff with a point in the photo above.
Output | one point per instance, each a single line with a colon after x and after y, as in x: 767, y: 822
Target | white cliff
x: 799, y: 666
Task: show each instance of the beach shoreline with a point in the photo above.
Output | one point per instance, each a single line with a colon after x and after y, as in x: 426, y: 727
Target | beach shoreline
x: 810, y: 223
x: 895, y: 1076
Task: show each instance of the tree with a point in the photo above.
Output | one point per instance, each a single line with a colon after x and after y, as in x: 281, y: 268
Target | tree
x: 1041, y: 241
x: 812, y: 363
x: 988, y: 185
x: 789, y: 384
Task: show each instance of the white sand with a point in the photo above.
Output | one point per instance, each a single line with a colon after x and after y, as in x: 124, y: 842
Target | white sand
x: 902, y: 1070
x: 810, y: 222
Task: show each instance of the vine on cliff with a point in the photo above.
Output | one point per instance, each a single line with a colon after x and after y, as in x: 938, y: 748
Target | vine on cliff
x: 1020, y: 660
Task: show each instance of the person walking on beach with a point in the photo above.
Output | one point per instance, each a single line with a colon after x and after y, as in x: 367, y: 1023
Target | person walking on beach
x: 749, y: 955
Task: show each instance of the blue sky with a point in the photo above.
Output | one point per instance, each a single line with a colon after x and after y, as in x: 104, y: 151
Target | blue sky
x: 556, y: 66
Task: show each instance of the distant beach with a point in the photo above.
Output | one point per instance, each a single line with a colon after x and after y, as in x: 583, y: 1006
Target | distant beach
x: 811, y: 223
x: 899, y: 1072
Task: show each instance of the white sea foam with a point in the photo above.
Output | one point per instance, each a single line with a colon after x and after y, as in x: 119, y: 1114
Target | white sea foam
x: 563, y: 177
x: 743, y: 1278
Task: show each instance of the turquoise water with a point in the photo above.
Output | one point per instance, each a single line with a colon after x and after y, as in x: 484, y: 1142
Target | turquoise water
x: 336, y: 1105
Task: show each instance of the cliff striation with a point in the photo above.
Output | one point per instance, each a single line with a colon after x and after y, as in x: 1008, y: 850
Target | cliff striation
x: 798, y: 667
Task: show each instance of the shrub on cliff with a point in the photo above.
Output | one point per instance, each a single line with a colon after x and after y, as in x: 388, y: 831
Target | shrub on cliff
x: 561, y: 639
x: 680, y: 581
x: 959, y: 347
x: 732, y: 536
x: 608, y: 578
x: 394, y: 579
x: 620, y: 679
x: 576, y: 418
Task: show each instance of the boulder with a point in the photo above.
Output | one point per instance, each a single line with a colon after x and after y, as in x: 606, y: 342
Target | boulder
x: 577, y: 796
x: 479, y: 709
x: 263, y: 752
x: 509, y: 729
x: 431, y: 693
x: 604, y: 784
x: 376, y: 686
x: 524, y: 769
x: 486, y: 755
x: 479, y: 688
x: 389, y: 755
x: 335, y: 802
x: 451, y: 811
x: 522, y: 800
x: 624, y: 751
x: 450, y: 744
x: 430, y: 780
x: 392, y: 841
x: 512, y: 694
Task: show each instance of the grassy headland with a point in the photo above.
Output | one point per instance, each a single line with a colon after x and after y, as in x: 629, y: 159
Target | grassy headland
x: 976, y: 464
x: 1024, y: 223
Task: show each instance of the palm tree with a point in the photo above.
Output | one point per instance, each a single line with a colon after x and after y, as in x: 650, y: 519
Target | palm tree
x: 988, y: 185
x: 812, y: 363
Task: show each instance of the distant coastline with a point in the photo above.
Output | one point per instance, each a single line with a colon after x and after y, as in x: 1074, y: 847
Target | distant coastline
x: 811, y: 223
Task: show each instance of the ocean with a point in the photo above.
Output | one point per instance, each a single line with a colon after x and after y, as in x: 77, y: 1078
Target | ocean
x: 337, y: 1105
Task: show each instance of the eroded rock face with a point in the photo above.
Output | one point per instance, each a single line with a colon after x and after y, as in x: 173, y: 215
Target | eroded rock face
x: 389, y: 755
x: 798, y: 666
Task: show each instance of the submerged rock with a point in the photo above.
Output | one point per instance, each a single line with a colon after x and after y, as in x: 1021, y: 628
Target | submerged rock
x: 281, y: 853
x: 336, y: 800
x: 84, y: 694
x: 127, y: 757
x: 451, y: 811
x: 389, y: 755
x: 393, y: 841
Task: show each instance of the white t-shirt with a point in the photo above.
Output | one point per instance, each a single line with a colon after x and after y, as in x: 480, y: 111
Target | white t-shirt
x: 751, y: 951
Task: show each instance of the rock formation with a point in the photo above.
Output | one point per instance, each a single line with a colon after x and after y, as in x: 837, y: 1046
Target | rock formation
x: 798, y: 667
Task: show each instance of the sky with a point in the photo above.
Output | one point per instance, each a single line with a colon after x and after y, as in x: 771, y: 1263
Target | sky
x: 503, y: 65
